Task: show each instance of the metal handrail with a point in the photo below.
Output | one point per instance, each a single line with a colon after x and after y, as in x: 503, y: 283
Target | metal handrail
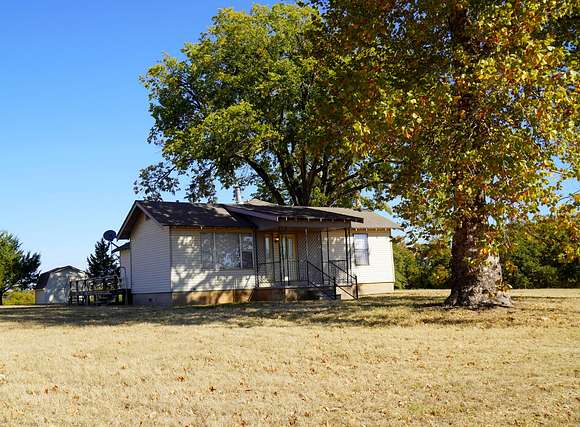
x: 322, y: 288
x: 345, y: 289
x: 352, y: 277
x: 337, y: 285
x: 305, y: 271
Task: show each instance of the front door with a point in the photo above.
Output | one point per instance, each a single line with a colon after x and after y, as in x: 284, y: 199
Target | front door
x: 289, y: 261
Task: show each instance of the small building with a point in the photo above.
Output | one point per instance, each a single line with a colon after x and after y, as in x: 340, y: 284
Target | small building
x: 53, y: 286
x: 181, y: 253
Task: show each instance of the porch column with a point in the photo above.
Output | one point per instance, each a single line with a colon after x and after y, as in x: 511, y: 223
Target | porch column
x: 322, y: 257
x: 327, y: 247
x: 255, y: 237
x: 307, y: 266
x: 280, y: 256
x: 347, y: 252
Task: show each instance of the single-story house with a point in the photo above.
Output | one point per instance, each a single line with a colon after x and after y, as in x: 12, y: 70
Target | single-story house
x: 52, y: 287
x: 181, y: 253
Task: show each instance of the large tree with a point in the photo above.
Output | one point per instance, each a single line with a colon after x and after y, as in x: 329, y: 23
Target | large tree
x: 238, y: 108
x: 479, y: 101
x: 18, y: 269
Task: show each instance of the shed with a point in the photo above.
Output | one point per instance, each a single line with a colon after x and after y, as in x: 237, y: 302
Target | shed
x: 52, y: 286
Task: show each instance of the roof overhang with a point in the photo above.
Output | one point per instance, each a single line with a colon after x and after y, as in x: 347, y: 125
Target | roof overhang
x: 330, y: 216
x: 125, y: 230
x: 123, y: 247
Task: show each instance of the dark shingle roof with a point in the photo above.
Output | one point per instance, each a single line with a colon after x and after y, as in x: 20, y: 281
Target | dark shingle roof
x: 190, y: 214
x: 178, y: 214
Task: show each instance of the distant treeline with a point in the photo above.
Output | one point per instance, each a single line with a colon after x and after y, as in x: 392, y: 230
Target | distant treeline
x: 540, y: 254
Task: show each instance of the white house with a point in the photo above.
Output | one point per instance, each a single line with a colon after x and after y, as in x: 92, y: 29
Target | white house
x: 180, y: 253
x: 53, y: 287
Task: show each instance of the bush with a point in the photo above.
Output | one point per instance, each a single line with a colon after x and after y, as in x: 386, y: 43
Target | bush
x: 19, y: 297
x: 421, y: 266
x: 541, y: 255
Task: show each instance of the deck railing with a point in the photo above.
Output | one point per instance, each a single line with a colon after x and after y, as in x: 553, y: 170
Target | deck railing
x: 98, y: 290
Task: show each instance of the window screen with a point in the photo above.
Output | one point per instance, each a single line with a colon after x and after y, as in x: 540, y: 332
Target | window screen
x: 247, y: 247
x: 207, y: 251
x: 227, y: 251
x: 361, y: 249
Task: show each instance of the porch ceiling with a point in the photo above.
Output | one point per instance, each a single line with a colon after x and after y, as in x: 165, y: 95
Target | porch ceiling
x: 265, y: 225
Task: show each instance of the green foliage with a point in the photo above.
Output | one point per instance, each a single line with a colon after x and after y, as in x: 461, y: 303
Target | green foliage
x: 537, y: 254
x: 406, y: 268
x: 18, y: 270
x: 25, y: 297
x: 478, y: 99
x: 543, y: 254
x: 422, y: 266
x: 101, y: 263
x: 240, y: 108
x: 433, y: 259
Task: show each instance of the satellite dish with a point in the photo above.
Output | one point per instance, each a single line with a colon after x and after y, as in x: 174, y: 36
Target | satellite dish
x: 109, y: 235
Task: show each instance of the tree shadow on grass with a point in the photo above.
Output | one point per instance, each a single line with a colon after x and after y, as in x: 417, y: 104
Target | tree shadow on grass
x: 378, y: 312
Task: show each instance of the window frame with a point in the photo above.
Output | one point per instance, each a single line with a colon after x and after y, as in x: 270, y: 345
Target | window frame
x: 365, y: 250
x: 239, y: 248
x: 252, y: 250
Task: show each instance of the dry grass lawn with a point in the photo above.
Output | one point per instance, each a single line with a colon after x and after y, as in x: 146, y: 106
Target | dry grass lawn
x: 395, y: 360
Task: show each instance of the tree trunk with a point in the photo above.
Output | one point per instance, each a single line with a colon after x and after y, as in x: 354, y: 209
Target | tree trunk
x: 475, y: 278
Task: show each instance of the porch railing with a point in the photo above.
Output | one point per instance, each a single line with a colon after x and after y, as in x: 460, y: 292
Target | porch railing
x: 339, y: 269
x: 291, y: 273
x: 304, y: 274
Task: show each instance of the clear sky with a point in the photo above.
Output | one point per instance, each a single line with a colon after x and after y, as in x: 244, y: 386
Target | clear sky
x: 73, y: 116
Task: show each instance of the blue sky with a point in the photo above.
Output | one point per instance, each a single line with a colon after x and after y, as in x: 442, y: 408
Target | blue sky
x: 74, y: 117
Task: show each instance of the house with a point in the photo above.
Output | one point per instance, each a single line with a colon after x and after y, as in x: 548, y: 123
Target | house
x: 52, y: 287
x: 181, y: 253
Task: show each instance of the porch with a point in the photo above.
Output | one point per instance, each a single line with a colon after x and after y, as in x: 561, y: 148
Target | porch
x: 305, y: 260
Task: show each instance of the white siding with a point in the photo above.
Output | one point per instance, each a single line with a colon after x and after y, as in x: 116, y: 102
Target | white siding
x: 381, y: 266
x: 125, y: 263
x: 57, y: 287
x: 187, y: 273
x: 150, y: 257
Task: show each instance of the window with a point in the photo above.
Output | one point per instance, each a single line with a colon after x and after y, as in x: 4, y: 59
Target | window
x: 207, y: 251
x: 268, y: 247
x: 227, y: 251
x: 361, y: 249
x: 247, y: 248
